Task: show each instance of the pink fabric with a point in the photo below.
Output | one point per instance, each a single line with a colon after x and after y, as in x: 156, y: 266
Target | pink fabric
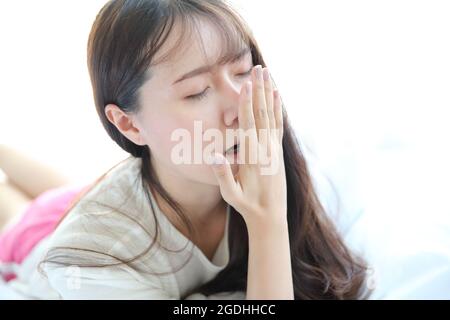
x: 37, y: 221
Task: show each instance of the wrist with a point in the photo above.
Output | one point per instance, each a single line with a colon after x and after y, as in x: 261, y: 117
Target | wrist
x: 267, y: 226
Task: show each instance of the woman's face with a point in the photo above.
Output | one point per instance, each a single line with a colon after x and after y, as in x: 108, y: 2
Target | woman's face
x: 171, y: 103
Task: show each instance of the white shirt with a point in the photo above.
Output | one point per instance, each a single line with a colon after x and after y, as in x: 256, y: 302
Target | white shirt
x: 115, y: 218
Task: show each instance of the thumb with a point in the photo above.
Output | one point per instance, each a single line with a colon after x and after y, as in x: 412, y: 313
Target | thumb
x: 224, y: 175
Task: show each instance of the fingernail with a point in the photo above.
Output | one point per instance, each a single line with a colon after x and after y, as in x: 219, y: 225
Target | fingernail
x: 266, y: 74
x: 218, y: 160
x: 276, y: 94
x: 259, y: 72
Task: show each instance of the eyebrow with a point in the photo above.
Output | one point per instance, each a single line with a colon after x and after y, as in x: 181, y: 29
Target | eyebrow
x: 208, y: 68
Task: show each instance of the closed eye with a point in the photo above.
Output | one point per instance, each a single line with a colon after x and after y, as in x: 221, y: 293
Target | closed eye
x: 204, y: 93
x: 246, y: 73
x: 198, y: 96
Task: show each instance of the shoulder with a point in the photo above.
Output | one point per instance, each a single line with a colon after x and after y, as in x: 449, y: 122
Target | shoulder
x: 110, y: 216
x: 92, y: 253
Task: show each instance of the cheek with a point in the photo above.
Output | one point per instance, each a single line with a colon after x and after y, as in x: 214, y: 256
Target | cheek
x: 159, y: 130
x: 158, y: 133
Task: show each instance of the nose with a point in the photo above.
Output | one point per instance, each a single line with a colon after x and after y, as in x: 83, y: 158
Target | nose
x: 230, y: 102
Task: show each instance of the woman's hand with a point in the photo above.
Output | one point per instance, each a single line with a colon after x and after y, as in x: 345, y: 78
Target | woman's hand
x: 258, y: 191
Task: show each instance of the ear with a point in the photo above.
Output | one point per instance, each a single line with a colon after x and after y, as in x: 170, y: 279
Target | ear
x: 124, y: 123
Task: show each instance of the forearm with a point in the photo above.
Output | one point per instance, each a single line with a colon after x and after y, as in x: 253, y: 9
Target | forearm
x: 269, y: 263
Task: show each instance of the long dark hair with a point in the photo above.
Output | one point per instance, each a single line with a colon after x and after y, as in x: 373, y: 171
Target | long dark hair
x: 122, y: 45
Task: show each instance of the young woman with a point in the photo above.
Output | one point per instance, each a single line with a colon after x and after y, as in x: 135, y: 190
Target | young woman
x: 156, y: 228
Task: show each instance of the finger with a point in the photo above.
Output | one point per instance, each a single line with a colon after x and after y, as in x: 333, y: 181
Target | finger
x: 278, y: 111
x: 247, y: 136
x: 269, y: 97
x: 245, y: 113
x: 259, y: 101
x: 224, y: 175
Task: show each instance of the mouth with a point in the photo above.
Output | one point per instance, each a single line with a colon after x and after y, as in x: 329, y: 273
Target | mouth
x: 232, y: 150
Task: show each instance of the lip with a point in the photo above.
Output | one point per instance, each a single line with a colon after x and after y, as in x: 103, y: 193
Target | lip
x: 227, y: 151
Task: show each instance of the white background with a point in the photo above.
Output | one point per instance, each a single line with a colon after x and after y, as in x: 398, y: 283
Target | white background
x: 366, y: 85
x: 360, y: 74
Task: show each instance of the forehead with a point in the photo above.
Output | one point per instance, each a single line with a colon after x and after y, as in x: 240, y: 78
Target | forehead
x: 202, y: 43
